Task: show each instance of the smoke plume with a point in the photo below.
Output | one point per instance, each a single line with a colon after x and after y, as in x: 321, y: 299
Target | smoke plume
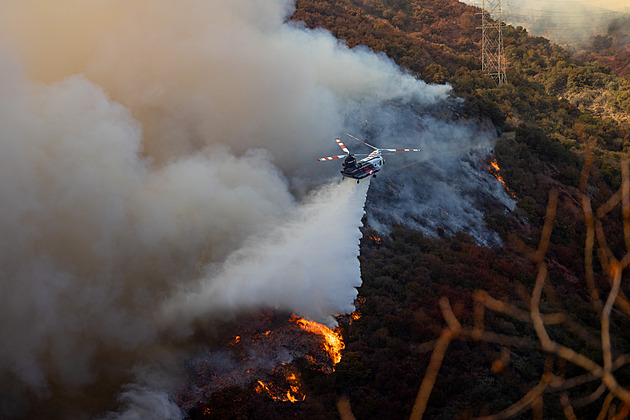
x: 291, y: 267
x: 158, y: 175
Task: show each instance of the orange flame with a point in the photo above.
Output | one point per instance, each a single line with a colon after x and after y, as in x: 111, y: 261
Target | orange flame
x: 376, y: 239
x: 333, y: 344
x: 494, y: 169
x: 357, y: 312
x: 293, y: 394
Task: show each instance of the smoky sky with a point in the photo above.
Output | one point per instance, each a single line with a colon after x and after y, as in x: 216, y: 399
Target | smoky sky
x: 158, y: 175
x: 564, y: 22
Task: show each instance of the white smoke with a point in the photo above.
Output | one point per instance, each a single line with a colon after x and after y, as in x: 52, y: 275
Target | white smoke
x: 156, y: 168
x: 298, y: 267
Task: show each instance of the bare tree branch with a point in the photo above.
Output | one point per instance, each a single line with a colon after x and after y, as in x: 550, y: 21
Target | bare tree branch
x: 615, y: 301
x: 437, y: 357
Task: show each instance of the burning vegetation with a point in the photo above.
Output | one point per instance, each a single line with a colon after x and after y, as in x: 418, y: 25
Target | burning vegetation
x: 260, y: 357
x: 494, y: 169
x: 288, y: 390
x: 333, y: 343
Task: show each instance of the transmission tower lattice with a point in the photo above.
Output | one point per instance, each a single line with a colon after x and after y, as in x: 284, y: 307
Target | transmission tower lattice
x: 492, y: 54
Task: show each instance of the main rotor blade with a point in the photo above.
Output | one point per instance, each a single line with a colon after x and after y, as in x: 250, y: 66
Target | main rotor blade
x: 344, y: 148
x: 402, y: 150
x: 359, y: 140
x: 331, y: 158
x: 340, y: 156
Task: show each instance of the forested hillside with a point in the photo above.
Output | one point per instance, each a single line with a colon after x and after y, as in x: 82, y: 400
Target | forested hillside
x: 613, y: 47
x: 529, y: 326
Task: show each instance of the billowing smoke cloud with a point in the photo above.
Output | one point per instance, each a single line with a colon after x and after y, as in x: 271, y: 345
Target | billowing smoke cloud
x: 157, y: 173
x: 291, y: 267
x: 205, y: 72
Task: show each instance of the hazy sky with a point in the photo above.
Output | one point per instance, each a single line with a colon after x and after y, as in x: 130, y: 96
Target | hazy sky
x: 564, y: 21
x: 605, y: 4
x: 612, y: 4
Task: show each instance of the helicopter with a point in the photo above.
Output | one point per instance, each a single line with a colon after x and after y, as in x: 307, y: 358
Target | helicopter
x: 365, y: 167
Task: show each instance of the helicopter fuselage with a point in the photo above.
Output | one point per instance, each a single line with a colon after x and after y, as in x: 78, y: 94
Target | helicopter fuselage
x: 370, y: 165
x: 367, y: 166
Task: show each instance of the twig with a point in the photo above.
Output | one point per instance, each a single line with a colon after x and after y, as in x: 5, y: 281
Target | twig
x: 511, y: 310
x: 607, y: 376
x: 605, y: 406
x: 591, y: 398
x: 520, y: 406
x: 436, y: 360
x: 568, y: 408
x: 343, y: 406
x: 588, y: 253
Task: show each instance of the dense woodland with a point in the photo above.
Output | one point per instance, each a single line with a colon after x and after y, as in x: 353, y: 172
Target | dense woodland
x: 568, y: 119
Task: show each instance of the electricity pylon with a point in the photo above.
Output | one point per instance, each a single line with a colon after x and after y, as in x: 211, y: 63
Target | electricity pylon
x: 492, y: 54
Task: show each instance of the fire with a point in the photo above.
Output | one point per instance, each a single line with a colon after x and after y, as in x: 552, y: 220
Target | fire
x: 260, y: 355
x: 292, y: 394
x: 357, y: 313
x: 494, y: 169
x: 376, y: 239
x: 333, y: 344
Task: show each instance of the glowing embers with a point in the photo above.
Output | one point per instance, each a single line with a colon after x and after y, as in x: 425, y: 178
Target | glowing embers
x: 372, y: 235
x: 333, y: 343
x: 494, y: 169
x: 287, y: 390
x: 354, y: 316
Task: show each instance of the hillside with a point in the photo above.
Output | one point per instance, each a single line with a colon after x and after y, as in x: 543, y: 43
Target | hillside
x: 566, y: 125
x: 613, y: 48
